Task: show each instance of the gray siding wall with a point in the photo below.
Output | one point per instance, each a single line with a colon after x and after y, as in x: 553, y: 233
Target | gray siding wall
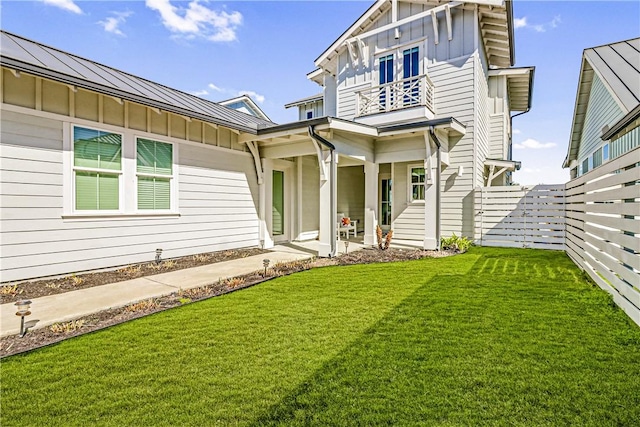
x: 408, y: 218
x: 482, y: 115
x: 498, y: 118
x: 351, y: 193
x: 455, y: 97
x: 218, y: 199
x: 310, y: 194
x: 315, y: 107
x: 602, y: 110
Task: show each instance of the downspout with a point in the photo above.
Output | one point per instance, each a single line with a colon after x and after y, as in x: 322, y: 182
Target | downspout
x: 432, y: 132
x: 332, y: 179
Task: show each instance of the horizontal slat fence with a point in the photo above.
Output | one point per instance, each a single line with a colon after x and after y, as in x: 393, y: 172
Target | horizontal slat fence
x: 520, y: 217
x: 603, y: 228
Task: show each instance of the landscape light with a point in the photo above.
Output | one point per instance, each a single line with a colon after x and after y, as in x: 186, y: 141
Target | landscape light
x: 346, y: 246
x: 158, y: 256
x: 265, y: 264
x: 23, y: 310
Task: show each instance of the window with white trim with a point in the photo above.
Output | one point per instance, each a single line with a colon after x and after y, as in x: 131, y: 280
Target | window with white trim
x: 154, y: 171
x: 111, y: 173
x: 417, y: 178
x: 97, y: 169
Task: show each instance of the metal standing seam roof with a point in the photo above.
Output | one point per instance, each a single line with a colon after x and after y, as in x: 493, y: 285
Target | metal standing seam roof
x: 34, y: 58
x: 618, y: 66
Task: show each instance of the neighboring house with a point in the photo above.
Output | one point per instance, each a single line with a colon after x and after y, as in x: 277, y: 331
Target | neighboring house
x: 245, y: 104
x: 100, y: 168
x: 606, y: 120
x: 310, y: 107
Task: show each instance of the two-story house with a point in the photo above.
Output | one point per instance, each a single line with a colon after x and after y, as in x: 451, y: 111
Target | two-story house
x: 415, y: 112
x: 101, y: 168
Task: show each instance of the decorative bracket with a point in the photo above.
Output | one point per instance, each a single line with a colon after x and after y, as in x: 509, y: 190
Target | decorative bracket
x: 253, y: 148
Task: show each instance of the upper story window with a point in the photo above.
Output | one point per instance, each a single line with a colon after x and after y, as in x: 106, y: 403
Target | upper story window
x: 411, y: 68
x: 97, y: 168
x: 386, y: 69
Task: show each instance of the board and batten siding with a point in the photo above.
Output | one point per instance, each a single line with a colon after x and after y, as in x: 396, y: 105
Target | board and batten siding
x: 352, y: 77
x: 482, y: 115
x: 602, y: 110
x: 217, y: 193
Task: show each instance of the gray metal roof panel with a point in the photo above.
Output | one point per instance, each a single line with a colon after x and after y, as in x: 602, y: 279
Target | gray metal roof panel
x: 618, y: 64
x: 53, y: 63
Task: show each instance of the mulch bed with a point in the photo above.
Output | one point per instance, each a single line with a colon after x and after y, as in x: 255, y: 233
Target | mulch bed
x: 40, y: 288
x: 37, y: 338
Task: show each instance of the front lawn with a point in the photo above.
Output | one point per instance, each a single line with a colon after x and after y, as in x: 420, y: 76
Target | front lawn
x: 491, y: 337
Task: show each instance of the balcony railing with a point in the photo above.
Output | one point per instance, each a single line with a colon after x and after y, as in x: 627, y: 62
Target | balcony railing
x: 410, y: 92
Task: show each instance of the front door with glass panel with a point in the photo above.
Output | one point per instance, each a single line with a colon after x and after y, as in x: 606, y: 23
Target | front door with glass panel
x: 278, y: 218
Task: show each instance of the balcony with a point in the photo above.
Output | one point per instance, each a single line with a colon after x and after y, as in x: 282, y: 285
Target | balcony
x: 399, y: 95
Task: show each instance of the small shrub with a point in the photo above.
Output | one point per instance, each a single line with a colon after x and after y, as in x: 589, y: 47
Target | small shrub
x: 200, y: 257
x: 131, y: 269
x: 234, y: 282
x: 145, y: 305
x: 53, y: 285
x: 10, y: 290
x: 67, y: 327
x: 169, y: 264
x: 184, y: 300
x: 454, y: 243
x: 383, y: 242
x: 77, y: 280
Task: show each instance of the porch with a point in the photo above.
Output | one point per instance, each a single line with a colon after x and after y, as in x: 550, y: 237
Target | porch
x: 309, y: 172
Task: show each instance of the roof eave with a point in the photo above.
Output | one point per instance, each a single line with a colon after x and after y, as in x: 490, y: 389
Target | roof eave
x: 111, y: 91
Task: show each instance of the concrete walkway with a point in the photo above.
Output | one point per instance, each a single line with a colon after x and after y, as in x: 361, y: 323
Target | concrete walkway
x: 76, y: 304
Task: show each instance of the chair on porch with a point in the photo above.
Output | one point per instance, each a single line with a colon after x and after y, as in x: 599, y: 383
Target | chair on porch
x: 345, y: 225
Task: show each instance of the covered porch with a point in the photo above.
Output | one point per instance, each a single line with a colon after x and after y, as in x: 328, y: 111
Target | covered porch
x: 311, y: 173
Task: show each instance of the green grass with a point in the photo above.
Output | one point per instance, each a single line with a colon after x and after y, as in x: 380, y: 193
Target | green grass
x: 491, y: 337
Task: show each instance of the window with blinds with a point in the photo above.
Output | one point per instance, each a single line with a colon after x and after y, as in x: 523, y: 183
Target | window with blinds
x: 97, y: 166
x: 154, y: 172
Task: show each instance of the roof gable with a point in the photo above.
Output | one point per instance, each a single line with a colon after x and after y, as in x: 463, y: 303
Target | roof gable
x: 496, y: 26
x: 617, y: 66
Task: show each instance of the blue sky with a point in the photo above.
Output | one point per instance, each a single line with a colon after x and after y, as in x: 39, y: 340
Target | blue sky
x: 266, y: 48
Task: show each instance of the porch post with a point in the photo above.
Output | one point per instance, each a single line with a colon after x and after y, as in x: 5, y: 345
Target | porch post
x: 265, y: 202
x: 370, y: 202
x: 328, y: 203
x: 430, y: 196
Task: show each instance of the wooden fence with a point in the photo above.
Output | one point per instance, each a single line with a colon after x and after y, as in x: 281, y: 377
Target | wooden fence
x: 603, y: 228
x: 520, y: 217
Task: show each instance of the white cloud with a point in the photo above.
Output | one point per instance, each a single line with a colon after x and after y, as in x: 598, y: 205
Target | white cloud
x: 530, y: 143
x: 68, y: 5
x: 230, y: 93
x: 516, y: 132
x: 520, y: 22
x: 202, y: 92
x: 259, y: 98
x: 112, y: 23
x: 540, y: 28
x: 197, y: 20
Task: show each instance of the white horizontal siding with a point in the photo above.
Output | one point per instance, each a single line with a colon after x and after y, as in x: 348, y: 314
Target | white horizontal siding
x: 217, y: 195
x: 455, y: 97
x: 497, y: 143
